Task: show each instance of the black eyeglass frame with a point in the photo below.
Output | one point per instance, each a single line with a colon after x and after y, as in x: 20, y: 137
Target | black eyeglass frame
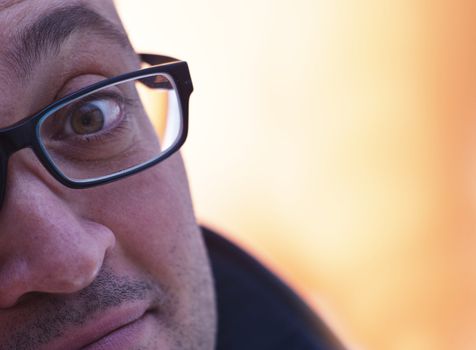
x: 26, y: 133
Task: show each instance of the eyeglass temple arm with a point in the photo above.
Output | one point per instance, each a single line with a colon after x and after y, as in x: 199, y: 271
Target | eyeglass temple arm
x: 155, y: 60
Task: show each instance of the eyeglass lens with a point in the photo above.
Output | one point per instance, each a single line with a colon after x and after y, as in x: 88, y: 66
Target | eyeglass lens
x: 113, y: 129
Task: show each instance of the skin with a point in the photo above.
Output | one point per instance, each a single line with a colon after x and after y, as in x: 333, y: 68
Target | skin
x: 71, y: 258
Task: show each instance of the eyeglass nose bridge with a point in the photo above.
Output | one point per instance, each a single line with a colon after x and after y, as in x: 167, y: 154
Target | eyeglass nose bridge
x: 12, y: 140
x: 5, y: 152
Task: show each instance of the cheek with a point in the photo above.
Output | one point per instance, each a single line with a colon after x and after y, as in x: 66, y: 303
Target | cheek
x: 157, y: 239
x: 152, y: 217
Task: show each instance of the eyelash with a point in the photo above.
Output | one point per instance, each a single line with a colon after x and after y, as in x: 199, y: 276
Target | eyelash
x: 102, y: 136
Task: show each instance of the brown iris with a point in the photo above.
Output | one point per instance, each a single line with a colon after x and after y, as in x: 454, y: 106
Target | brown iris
x: 87, y: 119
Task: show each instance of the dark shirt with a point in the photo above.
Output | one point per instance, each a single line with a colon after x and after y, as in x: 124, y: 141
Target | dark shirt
x: 257, y: 311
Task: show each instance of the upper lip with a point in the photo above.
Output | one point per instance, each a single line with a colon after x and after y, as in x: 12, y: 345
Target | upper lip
x: 100, y: 326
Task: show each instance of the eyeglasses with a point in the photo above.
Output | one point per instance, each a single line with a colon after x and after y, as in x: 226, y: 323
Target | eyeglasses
x: 108, y: 130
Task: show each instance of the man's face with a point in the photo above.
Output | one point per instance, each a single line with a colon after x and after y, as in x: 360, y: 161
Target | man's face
x: 119, y: 266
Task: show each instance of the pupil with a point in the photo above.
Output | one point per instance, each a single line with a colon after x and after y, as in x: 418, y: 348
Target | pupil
x: 87, y: 120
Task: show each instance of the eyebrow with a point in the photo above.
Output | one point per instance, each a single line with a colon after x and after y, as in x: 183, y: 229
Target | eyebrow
x: 4, y: 4
x: 46, y: 36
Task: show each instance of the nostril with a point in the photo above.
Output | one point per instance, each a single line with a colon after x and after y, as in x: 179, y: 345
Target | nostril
x: 20, y: 280
x: 70, y: 280
x: 26, y: 298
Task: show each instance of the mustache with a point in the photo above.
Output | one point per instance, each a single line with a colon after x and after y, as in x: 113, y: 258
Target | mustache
x: 53, y: 315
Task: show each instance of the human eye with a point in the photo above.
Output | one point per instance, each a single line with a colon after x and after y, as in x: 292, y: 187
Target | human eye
x: 91, y: 117
x: 97, y: 126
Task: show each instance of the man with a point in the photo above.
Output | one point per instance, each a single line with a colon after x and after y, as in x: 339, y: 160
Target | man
x: 90, y: 257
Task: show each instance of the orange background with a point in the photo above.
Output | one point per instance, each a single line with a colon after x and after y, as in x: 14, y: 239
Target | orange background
x: 336, y: 140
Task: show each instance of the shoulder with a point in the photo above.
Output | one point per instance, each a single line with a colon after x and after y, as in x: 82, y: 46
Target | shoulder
x: 256, y: 310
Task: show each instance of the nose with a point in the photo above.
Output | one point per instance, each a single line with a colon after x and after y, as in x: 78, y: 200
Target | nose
x: 45, y: 246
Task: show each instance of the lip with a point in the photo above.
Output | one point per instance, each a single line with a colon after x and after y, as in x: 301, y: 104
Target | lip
x: 115, y: 322
x: 121, y: 338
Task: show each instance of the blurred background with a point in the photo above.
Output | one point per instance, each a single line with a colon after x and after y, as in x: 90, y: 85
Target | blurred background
x: 335, y: 140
